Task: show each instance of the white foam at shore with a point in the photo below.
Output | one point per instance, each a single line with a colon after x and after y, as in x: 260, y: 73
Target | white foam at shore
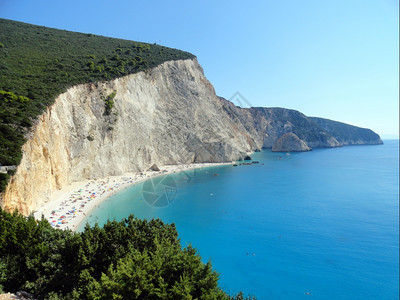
x: 69, y: 206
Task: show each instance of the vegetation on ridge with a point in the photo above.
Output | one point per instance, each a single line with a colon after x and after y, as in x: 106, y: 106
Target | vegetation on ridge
x: 39, y: 63
x: 131, y: 259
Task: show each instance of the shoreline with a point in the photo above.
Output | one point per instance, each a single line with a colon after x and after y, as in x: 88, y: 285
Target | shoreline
x: 69, y: 206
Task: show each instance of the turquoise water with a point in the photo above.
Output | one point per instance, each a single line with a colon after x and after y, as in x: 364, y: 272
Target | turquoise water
x: 322, y: 224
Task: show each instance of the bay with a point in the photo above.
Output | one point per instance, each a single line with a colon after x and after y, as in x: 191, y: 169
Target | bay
x: 323, y: 223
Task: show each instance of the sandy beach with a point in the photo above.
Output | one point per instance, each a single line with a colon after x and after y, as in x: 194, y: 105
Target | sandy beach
x: 69, y: 206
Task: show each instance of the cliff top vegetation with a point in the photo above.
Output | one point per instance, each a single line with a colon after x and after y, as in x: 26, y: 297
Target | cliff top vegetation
x: 38, y: 63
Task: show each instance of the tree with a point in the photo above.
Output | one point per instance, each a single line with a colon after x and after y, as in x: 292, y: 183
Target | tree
x: 130, y: 259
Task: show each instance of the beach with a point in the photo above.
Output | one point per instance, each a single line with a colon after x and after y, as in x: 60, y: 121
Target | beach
x: 69, y: 206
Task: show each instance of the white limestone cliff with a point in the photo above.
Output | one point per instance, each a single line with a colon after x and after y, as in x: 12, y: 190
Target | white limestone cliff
x: 167, y: 115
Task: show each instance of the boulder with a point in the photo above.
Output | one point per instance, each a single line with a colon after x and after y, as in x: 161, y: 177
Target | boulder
x: 154, y: 167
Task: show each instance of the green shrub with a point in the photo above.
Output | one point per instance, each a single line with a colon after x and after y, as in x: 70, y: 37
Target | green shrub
x: 109, y: 102
x: 90, y: 64
x: 10, y: 97
x: 131, y: 259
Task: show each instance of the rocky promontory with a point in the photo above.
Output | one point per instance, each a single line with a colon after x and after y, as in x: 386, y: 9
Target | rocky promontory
x: 347, y: 134
x: 267, y: 125
x: 290, y: 142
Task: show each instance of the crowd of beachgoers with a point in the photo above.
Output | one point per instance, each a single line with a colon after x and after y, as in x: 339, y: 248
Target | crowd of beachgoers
x: 70, y: 206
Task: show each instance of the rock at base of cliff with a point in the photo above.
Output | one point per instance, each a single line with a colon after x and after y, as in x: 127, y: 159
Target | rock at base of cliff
x: 155, y: 168
x: 290, y: 142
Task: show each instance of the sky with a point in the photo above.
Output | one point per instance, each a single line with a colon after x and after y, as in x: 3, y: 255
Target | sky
x: 332, y: 59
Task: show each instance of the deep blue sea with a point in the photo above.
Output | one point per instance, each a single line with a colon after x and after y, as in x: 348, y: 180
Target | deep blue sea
x: 321, y: 224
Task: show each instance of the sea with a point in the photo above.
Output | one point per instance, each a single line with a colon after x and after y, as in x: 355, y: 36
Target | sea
x: 322, y: 224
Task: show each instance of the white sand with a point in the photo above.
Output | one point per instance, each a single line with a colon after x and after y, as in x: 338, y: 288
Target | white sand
x: 69, y: 206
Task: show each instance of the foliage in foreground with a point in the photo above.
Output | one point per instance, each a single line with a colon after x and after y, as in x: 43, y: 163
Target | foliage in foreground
x: 131, y: 259
x: 39, y: 63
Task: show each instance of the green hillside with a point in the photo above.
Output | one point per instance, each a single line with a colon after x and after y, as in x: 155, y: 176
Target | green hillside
x: 39, y: 63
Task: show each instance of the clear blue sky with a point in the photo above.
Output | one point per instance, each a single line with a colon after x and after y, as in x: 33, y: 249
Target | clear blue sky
x: 334, y: 59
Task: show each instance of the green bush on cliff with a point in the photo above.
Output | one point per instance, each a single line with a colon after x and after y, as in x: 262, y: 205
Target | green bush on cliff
x: 109, y: 102
x: 3, y: 180
x: 39, y: 63
x: 131, y: 259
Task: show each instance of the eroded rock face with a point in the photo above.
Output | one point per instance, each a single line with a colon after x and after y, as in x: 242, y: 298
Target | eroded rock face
x: 290, y: 142
x: 266, y: 125
x: 168, y: 115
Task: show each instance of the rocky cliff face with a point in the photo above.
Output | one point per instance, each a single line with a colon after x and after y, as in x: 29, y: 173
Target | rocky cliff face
x: 290, y: 142
x: 267, y: 125
x: 167, y: 115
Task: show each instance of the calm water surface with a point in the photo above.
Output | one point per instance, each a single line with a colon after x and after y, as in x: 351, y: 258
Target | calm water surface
x: 321, y: 224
